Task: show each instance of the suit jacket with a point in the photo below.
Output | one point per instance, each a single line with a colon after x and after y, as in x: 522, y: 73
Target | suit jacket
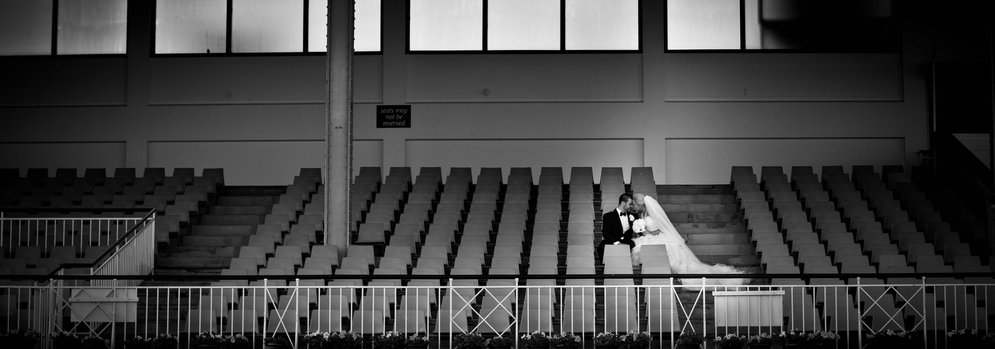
x: 611, y: 228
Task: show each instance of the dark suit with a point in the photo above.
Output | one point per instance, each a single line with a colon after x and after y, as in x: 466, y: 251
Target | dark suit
x: 611, y: 231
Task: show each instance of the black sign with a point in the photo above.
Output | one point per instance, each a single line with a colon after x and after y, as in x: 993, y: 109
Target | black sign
x: 393, y: 116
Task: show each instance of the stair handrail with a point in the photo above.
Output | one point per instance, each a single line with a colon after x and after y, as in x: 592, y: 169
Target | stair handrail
x: 140, y: 235
x: 133, y: 253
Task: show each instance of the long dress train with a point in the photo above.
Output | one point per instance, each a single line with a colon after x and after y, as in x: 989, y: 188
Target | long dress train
x: 682, y: 259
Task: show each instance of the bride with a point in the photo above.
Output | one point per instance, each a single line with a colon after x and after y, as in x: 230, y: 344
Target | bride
x: 660, y: 231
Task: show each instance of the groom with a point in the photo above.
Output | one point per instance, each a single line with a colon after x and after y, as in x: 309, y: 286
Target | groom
x: 616, y: 225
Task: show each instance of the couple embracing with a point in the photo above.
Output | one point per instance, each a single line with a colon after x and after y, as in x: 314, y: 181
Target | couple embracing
x: 639, y: 220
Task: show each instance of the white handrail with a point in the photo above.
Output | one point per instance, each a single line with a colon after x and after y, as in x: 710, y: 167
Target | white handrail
x: 851, y: 311
x: 136, y: 256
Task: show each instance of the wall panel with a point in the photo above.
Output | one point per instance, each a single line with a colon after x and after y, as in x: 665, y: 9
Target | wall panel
x: 524, y: 78
x: 52, y: 155
x: 256, y: 162
x: 788, y: 77
x: 710, y: 160
x: 535, y: 153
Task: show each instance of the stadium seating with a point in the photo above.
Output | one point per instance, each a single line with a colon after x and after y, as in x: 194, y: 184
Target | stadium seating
x: 800, y: 222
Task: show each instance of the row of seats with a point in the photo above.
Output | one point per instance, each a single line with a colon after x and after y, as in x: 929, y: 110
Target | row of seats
x: 96, y: 190
x: 837, y: 225
x: 419, y: 228
x: 59, y: 230
x: 174, y: 197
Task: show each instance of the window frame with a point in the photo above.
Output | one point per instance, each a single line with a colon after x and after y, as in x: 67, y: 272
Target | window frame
x: 228, y: 38
x: 484, y: 49
x: 54, y: 49
x: 898, y: 45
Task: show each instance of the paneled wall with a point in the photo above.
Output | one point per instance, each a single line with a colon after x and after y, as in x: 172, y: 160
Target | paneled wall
x: 689, y: 115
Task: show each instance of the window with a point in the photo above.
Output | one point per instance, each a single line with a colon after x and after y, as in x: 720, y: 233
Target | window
x: 92, y: 27
x: 81, y: 27
x: 602, y: 24
x: 256, y: 26
x: 367, y: 23
x: 703, y: 24
x: 190, y: 26
x: 317, y: 22
x: 25, y: 27
x: 791, y: 25
x: 267, y: 26
x: 446, y: 25
x: 524, y: 25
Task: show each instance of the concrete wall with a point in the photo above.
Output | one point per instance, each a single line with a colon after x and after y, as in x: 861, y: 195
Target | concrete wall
x: 689, y: 115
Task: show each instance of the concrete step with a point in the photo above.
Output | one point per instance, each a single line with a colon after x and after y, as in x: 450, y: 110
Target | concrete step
x: 721, y: 249
x: 231, y: 219
x: 233, y: 200
x: 216, y: 241
x: 723, y: 189
x: 703, y: 217
x: 697, y: 199
x: 242, y: 210
x: 723, y: 227
x: 191, y: 263
x: 729, y: 207
x: 223, y: 230
x: 694, y: 238
x: 202, y: 251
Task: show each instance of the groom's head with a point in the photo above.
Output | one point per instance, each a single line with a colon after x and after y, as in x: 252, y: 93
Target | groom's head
x: 625, y: 202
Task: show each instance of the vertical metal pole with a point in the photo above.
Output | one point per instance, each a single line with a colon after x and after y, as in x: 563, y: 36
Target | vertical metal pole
x: 925, y: 314
x: 338, y: 123
x: 860, y: 317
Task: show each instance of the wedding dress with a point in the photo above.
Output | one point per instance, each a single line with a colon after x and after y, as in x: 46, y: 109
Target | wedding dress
x: 660, y: 231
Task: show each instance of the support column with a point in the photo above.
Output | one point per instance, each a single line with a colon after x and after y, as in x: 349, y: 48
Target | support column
x: 137, y: 122
x: 338, y: 123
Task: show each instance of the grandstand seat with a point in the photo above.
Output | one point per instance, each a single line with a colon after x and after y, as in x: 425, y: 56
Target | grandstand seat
x: 242, y: 321
x: 323, y: 320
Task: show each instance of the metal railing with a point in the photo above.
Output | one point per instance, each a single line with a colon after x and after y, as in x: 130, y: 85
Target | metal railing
x: 293, y: 306
x: 44, y: 304
x: 35, y: 227
x: 132, y: 254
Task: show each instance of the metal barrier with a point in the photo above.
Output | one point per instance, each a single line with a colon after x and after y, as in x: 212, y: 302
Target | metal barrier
x: 293, y: 306
x: 133, y: 254
x: 45, y: 302
x: 24, y: 227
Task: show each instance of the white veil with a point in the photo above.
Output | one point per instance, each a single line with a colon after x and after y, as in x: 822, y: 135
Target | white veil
x: 682, y: 259
x: 659, y: 218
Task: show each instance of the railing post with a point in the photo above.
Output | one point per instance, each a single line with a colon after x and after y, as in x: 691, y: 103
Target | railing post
x: 297, y: 307
x: 114, y: 292
x: 265, y: 308
x: 518, y: 318
x: 449, y: 319
x: 150, y: 241
x: 673, y: 294
x: 925, y: 319
x: 704, y: 306
x: 52, y: 311
x: 860, y: 317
